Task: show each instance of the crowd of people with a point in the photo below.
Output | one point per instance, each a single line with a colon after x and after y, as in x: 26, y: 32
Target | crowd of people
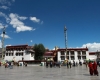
x: 92, y: 65
x: 10, y: 64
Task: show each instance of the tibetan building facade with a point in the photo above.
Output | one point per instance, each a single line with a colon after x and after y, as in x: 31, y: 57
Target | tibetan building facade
x: 76, y: 54
x: 19, y: 52
x: 26, y: 53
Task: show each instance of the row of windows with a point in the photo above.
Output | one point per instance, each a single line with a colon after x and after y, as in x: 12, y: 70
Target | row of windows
x: 72, y: 52
x: 12, y: 54
x: 72, y: 57
x: 17, y: 54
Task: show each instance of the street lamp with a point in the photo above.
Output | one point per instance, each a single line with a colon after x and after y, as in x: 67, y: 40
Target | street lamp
x: 3, y: 43
x: 65, y: 30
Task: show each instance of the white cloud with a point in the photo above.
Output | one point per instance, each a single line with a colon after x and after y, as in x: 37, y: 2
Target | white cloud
x: 22, y: 18
x: 19, y: 17
x: 5, y: 36
x: 31, y: 41
x: 5, y: 16
x: 3, y: 7
x: 6, y: 2
x: 1, y: 44
x: 1, y: 26
x: 92, y: 46
x: 8, y: 45
x: 34, y: 19
x: 19, y: 25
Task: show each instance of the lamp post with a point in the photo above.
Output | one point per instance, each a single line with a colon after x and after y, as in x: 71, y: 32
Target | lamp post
x: 3, y: 43
x: 65, y: 30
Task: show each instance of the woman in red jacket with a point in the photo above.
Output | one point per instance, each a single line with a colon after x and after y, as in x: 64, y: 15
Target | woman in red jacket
x: 95, y: 68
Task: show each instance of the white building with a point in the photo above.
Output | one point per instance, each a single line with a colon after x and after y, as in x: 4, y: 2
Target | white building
x: 75, y: 54
x: 19, y: 52
x: 92, y: 55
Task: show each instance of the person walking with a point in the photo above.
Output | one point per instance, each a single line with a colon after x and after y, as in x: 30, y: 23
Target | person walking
x: 46, y: 64
x: 67, y: 64
x: 73, y: 63
x: 70, y: 64
x: 6, y: 65
x: 76, y: 64
x: 51, y: 63
x: 59, y: 64
x: 95, y: 68
x: 86, y: 64
x: 80, y: 63
x: 0, y: 63
x: 90, y: 65
x: 11, y: 66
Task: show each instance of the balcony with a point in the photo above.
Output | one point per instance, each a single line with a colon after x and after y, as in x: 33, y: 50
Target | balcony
x: 78, y: 54
x: 83, y: 57
x: 72, y: 54
x: 83, y: 54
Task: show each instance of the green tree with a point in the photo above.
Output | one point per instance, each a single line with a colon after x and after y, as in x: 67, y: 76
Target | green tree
x: 39, y: 51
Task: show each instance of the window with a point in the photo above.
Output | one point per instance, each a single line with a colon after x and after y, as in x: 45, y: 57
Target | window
x: 16, y: 54
x: 12, y: 54
x: 62, y: 57
x: 72, y: 52
x: 22, y: 49
x: 9, y: 54
x: 22, y: 53
x: 67, y: 53
x: 67, y: 57
x: 72, y: 58
x: 32, y: 54
x: 79, y: 57
x: 83, y: 57
x: 19, y: 54
x: 62, y: 53
x: 6, y: 54
x: 79, y: 53
x: 83, y: 52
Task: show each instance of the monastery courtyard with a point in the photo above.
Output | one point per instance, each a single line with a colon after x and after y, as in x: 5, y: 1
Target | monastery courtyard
x: 43, y: 73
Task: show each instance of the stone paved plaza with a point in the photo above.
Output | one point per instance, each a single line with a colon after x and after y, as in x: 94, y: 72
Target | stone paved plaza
x: 42, y: 73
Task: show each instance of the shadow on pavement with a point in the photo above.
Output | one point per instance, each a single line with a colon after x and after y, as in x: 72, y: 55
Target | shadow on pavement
x: 86, y: 74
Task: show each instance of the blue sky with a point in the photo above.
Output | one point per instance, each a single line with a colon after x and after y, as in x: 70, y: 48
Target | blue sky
x: 43, y: 21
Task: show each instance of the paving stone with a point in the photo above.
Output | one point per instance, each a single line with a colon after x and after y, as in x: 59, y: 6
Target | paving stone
x: 43, y: 73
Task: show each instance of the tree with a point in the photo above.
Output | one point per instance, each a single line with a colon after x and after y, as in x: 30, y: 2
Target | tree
x: 39, y: 51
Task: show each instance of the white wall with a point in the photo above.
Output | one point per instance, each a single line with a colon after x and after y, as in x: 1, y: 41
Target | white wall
x: 92, y: 57
x: 26, y: 56
x: 76, y: 58
x: 58, y: 56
